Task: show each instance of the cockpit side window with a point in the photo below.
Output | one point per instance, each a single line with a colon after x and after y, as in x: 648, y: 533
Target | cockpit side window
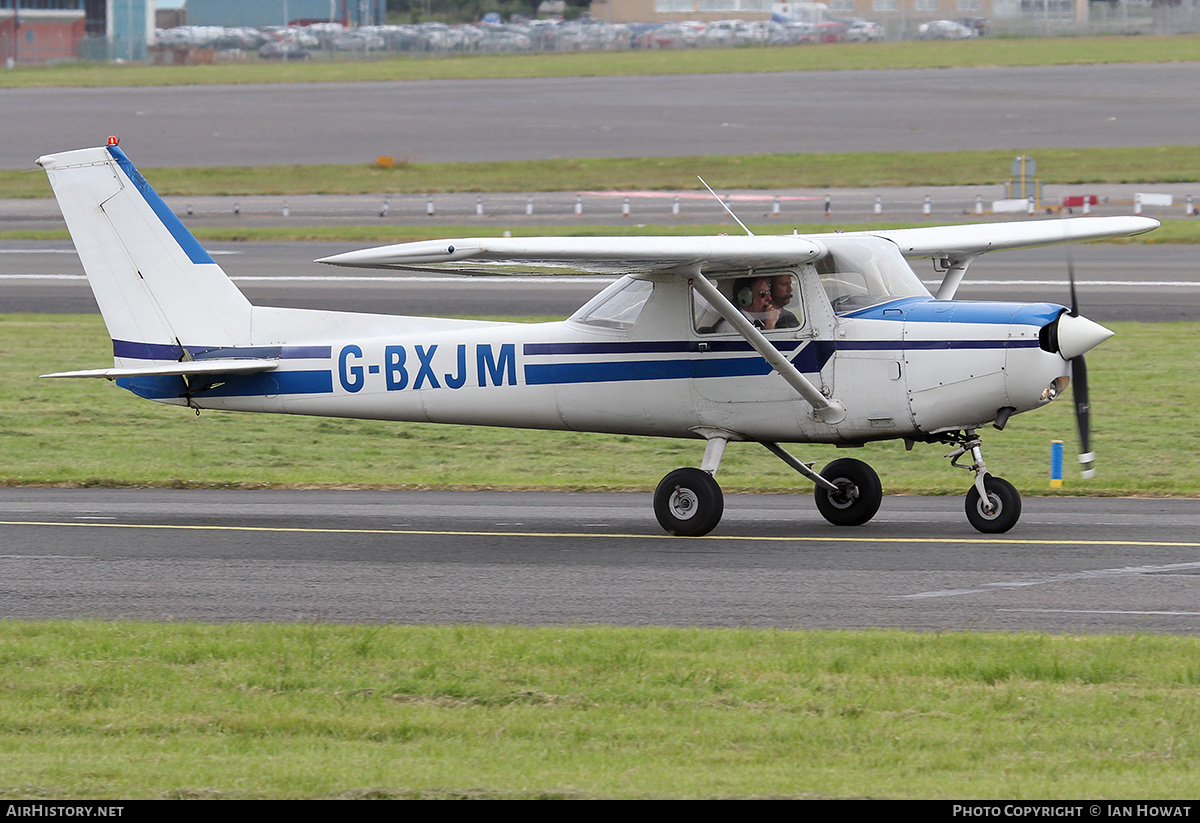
x: 618, y: 306
x: 770, y: 302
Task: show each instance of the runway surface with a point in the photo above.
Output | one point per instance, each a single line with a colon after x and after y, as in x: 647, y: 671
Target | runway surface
x: 776, y: 112
x: 1146, y: 283
x: 1071, y: 565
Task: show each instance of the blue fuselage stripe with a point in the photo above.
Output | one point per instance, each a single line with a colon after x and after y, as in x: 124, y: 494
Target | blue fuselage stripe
x: 316, y: 381
x: 555, y: 373
x: 930, y: 345
x: 270, y: 384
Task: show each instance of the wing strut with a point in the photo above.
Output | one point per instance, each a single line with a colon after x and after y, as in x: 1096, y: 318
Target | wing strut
x: 824, y: 409
x: 956, y: 268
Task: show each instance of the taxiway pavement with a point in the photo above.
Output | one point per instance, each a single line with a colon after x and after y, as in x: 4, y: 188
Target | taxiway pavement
x: 1070, y: 565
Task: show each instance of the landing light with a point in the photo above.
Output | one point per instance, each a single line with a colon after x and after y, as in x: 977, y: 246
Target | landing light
x: 1055, y: 389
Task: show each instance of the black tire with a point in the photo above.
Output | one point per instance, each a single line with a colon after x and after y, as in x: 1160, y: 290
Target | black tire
x: 688, y: 503
x: 1006, y: 504
x: 859, y: 493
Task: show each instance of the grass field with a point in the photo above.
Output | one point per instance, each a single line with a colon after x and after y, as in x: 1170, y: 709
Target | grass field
x: 1155, y: 164
x: 91, y: 433
x: 138, y: 710
x: 1172, y: 231
x: 1031, y: 51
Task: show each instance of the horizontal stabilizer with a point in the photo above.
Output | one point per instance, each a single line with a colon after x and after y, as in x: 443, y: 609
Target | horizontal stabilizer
x: 182, y: 369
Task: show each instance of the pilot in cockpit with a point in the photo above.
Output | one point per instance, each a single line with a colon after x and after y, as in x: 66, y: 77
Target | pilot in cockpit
x: 752, y: 296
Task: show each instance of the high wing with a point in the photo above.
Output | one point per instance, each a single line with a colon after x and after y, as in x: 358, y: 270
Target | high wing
x: 588, y: 255
x: 957, y: 246
x: 974, y: 239
x: 714, y: 255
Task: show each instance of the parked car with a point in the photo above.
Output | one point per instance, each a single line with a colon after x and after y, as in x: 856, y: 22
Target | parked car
x: 801, y: 32
x: 979, y: 25
x: 944, y: 30
x: 864, y: 31
x: 723, y: 33
x: 283, y: 50
x: 833, y: 31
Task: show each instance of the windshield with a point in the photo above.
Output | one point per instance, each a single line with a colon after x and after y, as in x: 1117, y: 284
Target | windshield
x: 860, y: 272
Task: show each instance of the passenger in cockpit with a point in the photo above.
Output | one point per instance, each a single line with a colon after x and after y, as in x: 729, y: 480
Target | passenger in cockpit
x: 781, y: 295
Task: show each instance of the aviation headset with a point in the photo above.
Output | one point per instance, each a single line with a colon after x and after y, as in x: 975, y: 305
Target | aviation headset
x: 744, y: 292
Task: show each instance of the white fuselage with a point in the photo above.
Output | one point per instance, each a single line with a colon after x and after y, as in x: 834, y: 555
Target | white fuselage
x: 903, y: 368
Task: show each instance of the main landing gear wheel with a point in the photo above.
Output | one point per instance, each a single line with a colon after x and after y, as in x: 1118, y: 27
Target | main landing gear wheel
x: 688, y: 502
x: 858, y: 496
x: 1003, y: 508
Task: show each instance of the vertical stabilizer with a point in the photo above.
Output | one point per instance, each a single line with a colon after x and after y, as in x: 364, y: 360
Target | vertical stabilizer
x: 155, y: 284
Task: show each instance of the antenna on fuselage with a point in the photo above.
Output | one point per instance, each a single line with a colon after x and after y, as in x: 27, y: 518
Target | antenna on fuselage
x: 725, y: 206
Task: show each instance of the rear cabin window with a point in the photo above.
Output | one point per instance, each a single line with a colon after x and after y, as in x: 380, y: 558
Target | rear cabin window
x: 618, y: 306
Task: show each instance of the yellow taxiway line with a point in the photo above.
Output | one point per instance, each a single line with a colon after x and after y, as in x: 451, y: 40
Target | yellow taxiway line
x: 857, y: 538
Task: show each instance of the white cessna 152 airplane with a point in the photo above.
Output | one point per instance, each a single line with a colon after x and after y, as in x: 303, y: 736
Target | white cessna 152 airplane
x: 826, y: 338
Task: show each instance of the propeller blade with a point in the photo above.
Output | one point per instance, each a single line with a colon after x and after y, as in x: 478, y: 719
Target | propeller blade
x: 1083, y: 408
x: 1079, y: 384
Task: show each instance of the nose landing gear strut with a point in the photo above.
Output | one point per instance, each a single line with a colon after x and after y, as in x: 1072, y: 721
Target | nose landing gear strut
x: 993, y: 505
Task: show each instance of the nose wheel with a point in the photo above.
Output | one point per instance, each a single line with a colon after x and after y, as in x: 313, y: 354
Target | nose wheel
x: 998, y: 511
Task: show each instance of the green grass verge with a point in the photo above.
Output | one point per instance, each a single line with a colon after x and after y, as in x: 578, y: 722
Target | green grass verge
x: 890, y: 55
x: 1154, y: 164
x: 91, y: 433
x: 139, y: 710
x: 1171, y: 232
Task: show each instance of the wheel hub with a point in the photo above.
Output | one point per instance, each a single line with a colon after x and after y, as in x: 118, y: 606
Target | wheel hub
x: 683, y: 503
x: 990, y: 507
x: 846, y: 494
